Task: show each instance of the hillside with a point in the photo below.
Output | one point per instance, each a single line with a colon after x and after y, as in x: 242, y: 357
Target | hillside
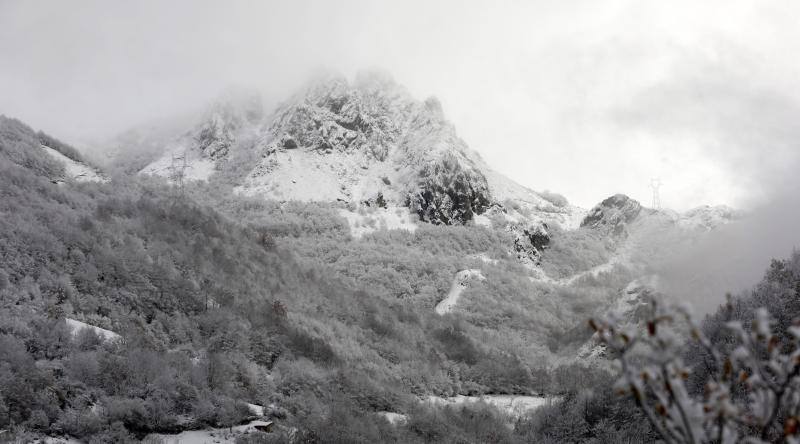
x: 231, y: 277
x: 281, y: 307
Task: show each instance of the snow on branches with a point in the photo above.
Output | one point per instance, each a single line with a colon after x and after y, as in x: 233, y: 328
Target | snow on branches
x: 751, y: 394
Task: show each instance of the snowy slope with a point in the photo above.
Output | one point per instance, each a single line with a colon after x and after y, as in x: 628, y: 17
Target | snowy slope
x: 356, y: 142
x: 233, y: 119
x: 76, y: 171
x: 76, y: 326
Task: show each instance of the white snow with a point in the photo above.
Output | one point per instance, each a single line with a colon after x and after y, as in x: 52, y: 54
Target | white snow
x: 374, y: 219
x: 482, y: 220
x: 515, y: 406
x: 394, y: 418
x: 620, y: 258
x: 76, y: 326
x: 194, y: 168
x: 77, y: 171
x: 54, y: 440
x: 309, y: 175
x: 256, y: 409
x: 460, y: 283
x: 483, y: 257
x: 531, y: 207
x: 208, y: 436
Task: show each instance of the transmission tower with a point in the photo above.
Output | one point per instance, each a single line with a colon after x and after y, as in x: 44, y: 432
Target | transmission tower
x: 655, y: 184
x: 177, y: 171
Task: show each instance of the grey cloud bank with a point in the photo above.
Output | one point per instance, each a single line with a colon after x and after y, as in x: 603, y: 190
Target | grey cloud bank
x: 584, y: 98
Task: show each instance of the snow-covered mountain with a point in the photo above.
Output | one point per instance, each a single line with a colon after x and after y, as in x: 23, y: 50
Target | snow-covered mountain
x: 617, y: 214
x: 365, y: 142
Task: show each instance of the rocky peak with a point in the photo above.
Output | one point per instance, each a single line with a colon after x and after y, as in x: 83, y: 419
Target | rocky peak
x: 233, y: 110
x: 333, y: 115
x: 613, y: 214
x: 373, y: 127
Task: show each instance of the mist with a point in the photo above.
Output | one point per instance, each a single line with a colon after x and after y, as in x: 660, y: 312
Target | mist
x: 606, y: 95
x: 586, y: 99
x: 732, y: 258
x: 460, y: 244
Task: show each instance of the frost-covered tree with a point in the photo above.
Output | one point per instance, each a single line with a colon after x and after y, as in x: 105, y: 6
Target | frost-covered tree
x: 751, y: 392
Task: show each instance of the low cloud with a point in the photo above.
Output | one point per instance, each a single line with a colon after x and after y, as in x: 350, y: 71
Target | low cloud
x: 734, y: 257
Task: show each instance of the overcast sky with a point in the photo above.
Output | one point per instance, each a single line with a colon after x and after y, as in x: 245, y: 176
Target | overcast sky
x: 586, y: 98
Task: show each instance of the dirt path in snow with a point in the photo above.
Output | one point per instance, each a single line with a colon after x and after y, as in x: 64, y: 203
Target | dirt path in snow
x: 460, y: 282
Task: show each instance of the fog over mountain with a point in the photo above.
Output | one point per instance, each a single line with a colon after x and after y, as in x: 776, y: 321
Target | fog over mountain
x: 417, y: 222
x: 613, y: 92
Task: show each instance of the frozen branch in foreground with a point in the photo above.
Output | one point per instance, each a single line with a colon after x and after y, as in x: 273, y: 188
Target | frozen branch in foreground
x: 751, y: 394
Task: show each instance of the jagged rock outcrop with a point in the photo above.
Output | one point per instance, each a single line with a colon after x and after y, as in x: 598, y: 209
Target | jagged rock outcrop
x: 449, y: 194
x: 613, y: 214
x: 231, y: 113
x: 333, y: 116
x: 530, y: 242
x: 366, y: 138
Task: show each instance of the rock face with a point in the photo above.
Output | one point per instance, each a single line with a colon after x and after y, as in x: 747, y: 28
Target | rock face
x: 234, y: 111
x: 449, y: 194
x: 613, y: 215
x: 377, y: 141
x: 530, y: 242
x: 333, y: 116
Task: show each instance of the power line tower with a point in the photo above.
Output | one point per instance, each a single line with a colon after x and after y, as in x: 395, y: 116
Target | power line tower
x: 655, y: 184
x: 177, y: 172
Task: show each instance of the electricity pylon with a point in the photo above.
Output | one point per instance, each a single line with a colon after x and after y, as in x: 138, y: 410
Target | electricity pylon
x: 655, y: 184
x: 177, y: 171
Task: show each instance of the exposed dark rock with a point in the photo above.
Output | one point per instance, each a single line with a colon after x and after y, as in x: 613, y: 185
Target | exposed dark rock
x: 288, y: 143
x: 377, y: 201
x: 529, y: 243
x: 538, y: 236
x: 219, y: 130
x: 613, y: 214
x: 333, y: 116
x: 449, y: 194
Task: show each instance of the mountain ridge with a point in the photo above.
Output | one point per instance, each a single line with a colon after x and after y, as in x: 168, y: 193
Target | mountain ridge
x: 359, y: 142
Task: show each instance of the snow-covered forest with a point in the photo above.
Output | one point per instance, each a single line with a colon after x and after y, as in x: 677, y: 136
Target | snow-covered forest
x: 531, y: 223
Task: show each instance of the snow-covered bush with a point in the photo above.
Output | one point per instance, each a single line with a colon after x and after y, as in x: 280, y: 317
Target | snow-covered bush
x: 751, y: 393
